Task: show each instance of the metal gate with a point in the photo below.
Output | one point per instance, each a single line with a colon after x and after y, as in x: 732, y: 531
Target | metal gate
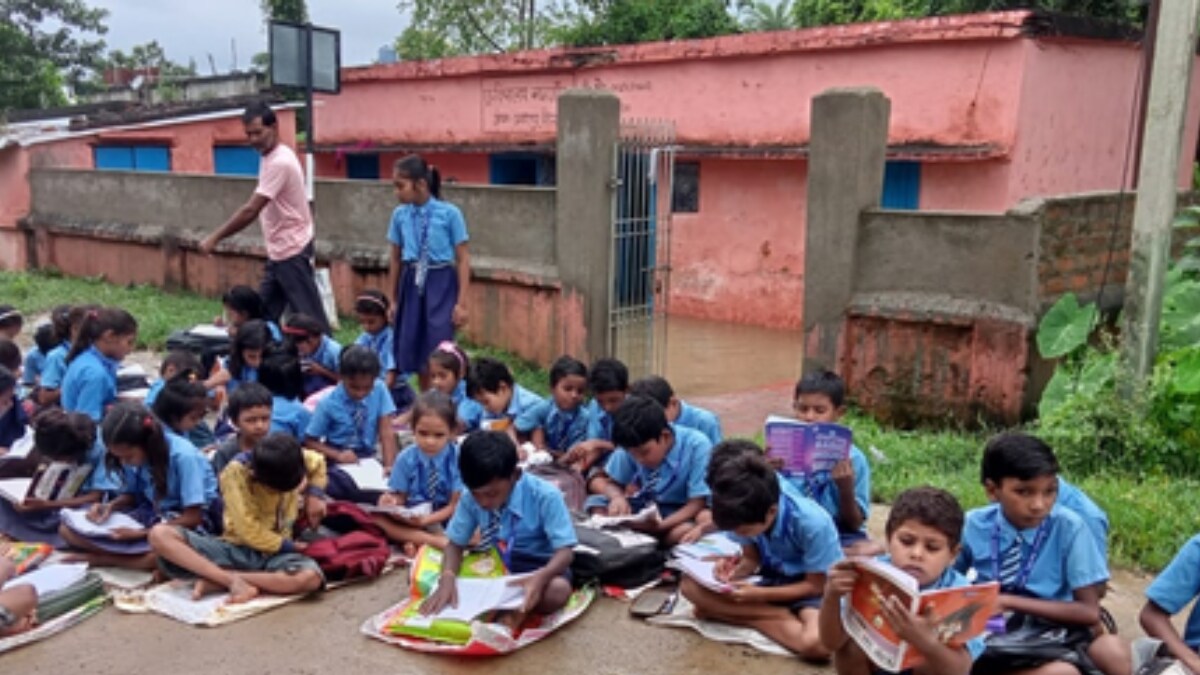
x: 640, y: 269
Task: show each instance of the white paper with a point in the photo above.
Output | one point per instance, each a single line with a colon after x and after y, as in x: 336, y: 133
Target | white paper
x: 15, y: 489
x: 476, y: 596
x: 648, y: 514
x: 367, y: 474
x: 208, y: 330
x: 402, y: 511
x: 21, y: 448
x: 703, y: 572
x: 49, y: 579
x: 78, y: 521
x: 710, y: 545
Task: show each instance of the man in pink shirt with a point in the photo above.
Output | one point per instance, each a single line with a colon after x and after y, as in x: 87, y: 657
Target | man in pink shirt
x: 280, y: 203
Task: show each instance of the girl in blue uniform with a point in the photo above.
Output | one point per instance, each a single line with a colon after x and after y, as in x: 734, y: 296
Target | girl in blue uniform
x: 105, y: 338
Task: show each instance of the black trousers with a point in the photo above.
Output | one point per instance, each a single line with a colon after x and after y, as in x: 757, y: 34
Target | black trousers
x: 290, y: 283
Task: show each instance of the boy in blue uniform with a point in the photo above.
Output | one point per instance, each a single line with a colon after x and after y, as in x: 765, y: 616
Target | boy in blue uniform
x: 665, y: 462
x: 319, y: 353
x: 679, y: 412
x: 560, y: 422
x: 1173, y: 590
x: 524, y: 516
x: 609, y: 381
x: 786, y: 538
x: 491, y: 383
x: 1045, y: 559
x: 280, y: 373
x: 924, y: 530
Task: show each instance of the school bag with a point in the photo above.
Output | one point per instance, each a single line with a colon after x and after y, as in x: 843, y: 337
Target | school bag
x: 616, y: 557
x: 1029, y: 642
x: 568, y: 481
x: 205, y: 342
x: 358, y: 550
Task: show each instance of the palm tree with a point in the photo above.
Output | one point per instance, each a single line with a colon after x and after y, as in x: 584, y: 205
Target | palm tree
x: 760, y: 16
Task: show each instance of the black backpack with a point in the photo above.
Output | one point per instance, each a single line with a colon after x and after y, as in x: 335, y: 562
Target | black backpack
x: 620, y: 558
x: 206, y: 347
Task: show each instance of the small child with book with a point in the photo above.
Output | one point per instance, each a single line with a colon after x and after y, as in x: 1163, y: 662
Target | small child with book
x: 522, y: 515
x: 667, y: 464
x: 250, y: 411
x: 608, y: 380
x: 785, y: 538
x: 924, y: 530
x: 679, y: 412
x: 491, y: 383
x: 560, y: 422
x: 18, y: 605
x: 265, y: 491
x: 246, y: 351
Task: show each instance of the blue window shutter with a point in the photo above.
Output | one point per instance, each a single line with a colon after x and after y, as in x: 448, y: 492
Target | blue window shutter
x: 151, y: 158
x: 902, y: 186
x: 113, y: 157
x: 362, y: 167
x: 235, y: 160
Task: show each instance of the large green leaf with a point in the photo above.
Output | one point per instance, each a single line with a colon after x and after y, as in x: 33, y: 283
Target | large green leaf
x: 1187, y: 372
x: 1098, y: 372
x: 1057, y: 391
x: 1065, y: 327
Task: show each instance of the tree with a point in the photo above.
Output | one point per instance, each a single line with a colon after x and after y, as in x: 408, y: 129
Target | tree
x: 760, y: 16
x: 27, y: 79
x: 295, y: 11
x: 47, y: 41
x: 609, y: 22
x: 806, y: 13
x: 442, y: 28
x: 150, y: 57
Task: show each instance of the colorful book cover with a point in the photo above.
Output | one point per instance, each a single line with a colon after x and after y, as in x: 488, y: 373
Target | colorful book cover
x: 27, y: 556
x: 807, y: 448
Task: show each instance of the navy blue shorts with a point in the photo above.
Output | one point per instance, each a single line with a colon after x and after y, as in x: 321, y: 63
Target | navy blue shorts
x: 770, y: 580
x: 524, y: 564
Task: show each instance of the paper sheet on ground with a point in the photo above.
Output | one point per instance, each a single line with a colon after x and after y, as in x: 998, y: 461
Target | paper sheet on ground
x: 78, y: 521
x: 401, y: 511
x: 174, y: 600
x: 683, y: 616
x: 367, y: 474
x: 51, y: 578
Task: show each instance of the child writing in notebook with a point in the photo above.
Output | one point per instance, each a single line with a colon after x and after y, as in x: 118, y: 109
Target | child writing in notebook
x: 448, y: 368
x: 265, y: 490
x: 163, y: 479
x: 426, y: 472
x: 245, y: 356
x: 525, y: 517
x: 678, y: 412
x: 280, y: 374
x: 491, y: 383
x: 371, y: 308
x: 351, y: 421
x: 559, y: 423
x: 318, y: 352
x: 430, y: 267
x: 18, y: 605
x: 250, y: 411
x: 105, y: 338
x: 924, y: 529
x: 609, y: 383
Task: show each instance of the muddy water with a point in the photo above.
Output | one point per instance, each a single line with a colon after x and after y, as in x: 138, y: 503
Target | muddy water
x: 710, y: 357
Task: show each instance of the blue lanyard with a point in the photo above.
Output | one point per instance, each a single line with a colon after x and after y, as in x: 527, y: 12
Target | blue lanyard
x: 423, y: 226
x: 508, y: 521
x: 662, y: 486
x: 1027, y: 562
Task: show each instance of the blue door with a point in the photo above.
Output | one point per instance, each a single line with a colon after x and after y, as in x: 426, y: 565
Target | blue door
x: 235, y: 160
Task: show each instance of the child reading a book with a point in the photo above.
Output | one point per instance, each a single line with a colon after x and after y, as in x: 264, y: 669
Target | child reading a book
x: 448, y: 368
x: 923, y: 531
x: 665, y: 461
x: 491, y: 383
x: 251, y: 411
x: 786, y: 538
x: 426, y: 472
x: 319, y: 353
x: 69, y: 439
x: 349, y: 423
x: 679, y: 412
x: 281, y: 375
x: 557, y: 424
x: 609, y: 382
x: 265, y: 490
x: 163, y: 478
x: 1171, y: 591
x: 18, y: 604
x: 105, y: 338
x: 524, y: 516
x: 1047, y: 563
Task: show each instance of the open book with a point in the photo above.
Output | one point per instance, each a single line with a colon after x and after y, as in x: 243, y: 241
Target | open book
x: 807, y: 448
x: 400, y: 511
x: 51, y: 578
x: 367, y: 474
x: 715, y: 545
x: 77, y: 520
x: 476, y: 597
x: 52, y: 482
x: 959, y: 614
x: 648, y: 514
x: 21, y: 447
x: 704, y: 572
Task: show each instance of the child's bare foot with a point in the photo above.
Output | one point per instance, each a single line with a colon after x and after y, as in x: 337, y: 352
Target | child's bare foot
x: 409, y: 549
x: 241, y: 591
x: 204, y: 587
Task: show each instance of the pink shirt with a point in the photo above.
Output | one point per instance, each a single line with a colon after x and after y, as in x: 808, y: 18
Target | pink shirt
x: 287, y: 223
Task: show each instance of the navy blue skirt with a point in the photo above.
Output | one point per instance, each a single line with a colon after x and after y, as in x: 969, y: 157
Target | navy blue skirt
x: 424, y: 320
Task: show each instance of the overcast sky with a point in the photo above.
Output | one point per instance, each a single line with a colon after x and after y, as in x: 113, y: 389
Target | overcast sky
x: 193, y: 29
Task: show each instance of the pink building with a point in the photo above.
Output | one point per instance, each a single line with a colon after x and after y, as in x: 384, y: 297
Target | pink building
x: 986, y: 111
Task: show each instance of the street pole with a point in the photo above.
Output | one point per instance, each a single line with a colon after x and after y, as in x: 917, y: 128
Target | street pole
x: 309, y: 165
x: 1158, y: 179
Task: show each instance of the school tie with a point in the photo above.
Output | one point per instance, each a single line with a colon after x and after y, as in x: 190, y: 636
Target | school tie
x: 491, y: 531
x: 1010, y: 565
x: 360, y: 420
x: 422, y: 247
x: 559, y: 428
x: 433, y: 482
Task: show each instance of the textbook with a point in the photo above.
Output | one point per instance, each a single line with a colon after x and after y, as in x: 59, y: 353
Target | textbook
x: 367, y: 474
x: 477, y: 597
x: 807, y: 448
x: 959, y: 614
x: 400, y: 511
x: 52, y: 482
x: 26, y: 556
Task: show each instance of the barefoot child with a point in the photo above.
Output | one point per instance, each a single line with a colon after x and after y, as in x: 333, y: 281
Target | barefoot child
x: 559, y: 423
x: 426, y: 472
x: 265, y: 490
x: 786, y: 538
x: 105, y: 338
x: 250, y: 411
x: 522, y: 515
x: 924, y: 529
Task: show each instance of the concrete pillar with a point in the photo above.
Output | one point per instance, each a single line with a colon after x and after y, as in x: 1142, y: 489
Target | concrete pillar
x: 847, y: 152
x: 589, y: 123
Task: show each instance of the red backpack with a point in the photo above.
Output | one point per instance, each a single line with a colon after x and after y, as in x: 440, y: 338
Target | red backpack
x: 362, y: 551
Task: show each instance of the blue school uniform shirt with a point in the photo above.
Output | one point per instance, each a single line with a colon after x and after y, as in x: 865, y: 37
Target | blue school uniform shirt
x: 820, y: 487
x: 1067, y: 560
x: 35, y: 360
x: 802, y: 539
x: 522, y: 400
x: 1178, y: 585
x: 534, y: 522
x: 704, y: 421
x: 1094, y: 517
x: 681, y: 475
x: 90, y: 384
x: 190, y: 479
x: 382, y: 343
x: 249, y: 374
x: 101, y: 479
x: 289, y: 416
x: 951, y: 578
x: 334, y: 419
x: 411, y: 472
x: 470, y: 413
x: 447, y: 229
x: 326, y: 355
x: 562, y: 428
x: 154, y: 390
x: 12, y: 424
x: 600, y: 424
x: 55, y: 367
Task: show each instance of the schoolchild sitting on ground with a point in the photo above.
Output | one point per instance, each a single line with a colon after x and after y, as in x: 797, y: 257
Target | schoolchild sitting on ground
x: 522, y: 515
x: 560, y: 422
x: 1045, y: 559
x: 678, y: 412
x: 265, y: 490
x: 609, y: 383
x: 50, y: 389
x: 371, y: 307
x: 10, y: 356
x: 665, y: 461
x: 924, y: 531
x: 105, y: 338
x: 44, y: 342
x: 787, y: 539
x: 448, y: 368
x: 181, y: 406
x: 1170, y: 593
x: 845, y: 492
x: 163, y: 478
x: 18, y: 605
x: 245, y: 356
x: 243, y: 304
x: 491, y: 383
x: 318, y: 352
x: 351, y: 421
x: 426, y: 472
x: 280, y: 373
x: 11, y: 322
x: 12, y: 416
x: 59, y: 436
x: 250, y: 411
